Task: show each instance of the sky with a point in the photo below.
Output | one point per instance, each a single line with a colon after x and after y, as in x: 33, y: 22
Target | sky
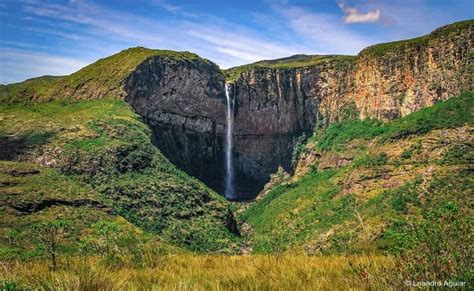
x: 48, y: 37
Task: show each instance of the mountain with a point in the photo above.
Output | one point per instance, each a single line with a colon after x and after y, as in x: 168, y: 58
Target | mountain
x: 121, y: 131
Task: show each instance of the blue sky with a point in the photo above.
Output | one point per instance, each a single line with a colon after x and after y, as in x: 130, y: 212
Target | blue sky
x: 47, y: 37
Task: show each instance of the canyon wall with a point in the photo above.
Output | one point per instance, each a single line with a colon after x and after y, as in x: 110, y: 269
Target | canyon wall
x: 279, y: 100
x: 273, y: 107
x: 394, y: 79
x: 276, y: 101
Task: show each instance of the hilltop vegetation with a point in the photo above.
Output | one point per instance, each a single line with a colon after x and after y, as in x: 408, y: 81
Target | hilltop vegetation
x: 402, y: 45
x: 104, y: 78
x: 296, y: 61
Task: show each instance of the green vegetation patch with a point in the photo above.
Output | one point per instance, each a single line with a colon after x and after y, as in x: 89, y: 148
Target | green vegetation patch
x: 289, y: 215
x: 454, y: 112
x: 104, y: 149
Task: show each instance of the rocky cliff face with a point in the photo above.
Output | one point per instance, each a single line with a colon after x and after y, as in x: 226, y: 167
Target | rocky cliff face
x: 395, y: 79
x: 276, y: 101
x: 183, y: 101
x: 279, y: 100
x: 273, y: 107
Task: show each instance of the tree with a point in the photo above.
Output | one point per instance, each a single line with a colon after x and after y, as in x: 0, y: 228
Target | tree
x: 50, y: 235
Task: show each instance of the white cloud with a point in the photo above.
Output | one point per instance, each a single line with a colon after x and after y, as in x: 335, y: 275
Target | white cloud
x: 353, y: 15
x: 240, y: 45
x: 228, y: 44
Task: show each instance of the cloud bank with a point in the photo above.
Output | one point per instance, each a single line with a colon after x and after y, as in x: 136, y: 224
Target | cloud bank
x: 353, y: 15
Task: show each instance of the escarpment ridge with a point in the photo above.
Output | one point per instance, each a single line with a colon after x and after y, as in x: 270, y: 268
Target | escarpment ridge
x: 182, y: 97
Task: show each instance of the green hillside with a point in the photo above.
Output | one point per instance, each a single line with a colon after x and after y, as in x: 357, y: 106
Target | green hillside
x: 93, y: 160
x: 104, y: 78
x: 359, y: 185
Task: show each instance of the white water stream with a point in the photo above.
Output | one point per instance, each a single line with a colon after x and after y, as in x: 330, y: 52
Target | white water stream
x: 229, y: 179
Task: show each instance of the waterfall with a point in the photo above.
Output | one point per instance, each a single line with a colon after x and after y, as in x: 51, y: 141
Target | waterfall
x: 229, y: 179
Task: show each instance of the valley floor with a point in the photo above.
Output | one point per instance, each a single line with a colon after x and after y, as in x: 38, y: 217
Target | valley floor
x: 207, y: 272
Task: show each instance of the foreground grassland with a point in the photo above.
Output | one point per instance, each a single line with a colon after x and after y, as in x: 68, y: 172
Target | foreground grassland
x: 207, y: 272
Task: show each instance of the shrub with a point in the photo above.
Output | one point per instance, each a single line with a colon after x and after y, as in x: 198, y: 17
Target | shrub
x: 407, y: 154
x: 458, y: 154
x: 372, y: 161
x: 298, y: 147
x: 442, y: 248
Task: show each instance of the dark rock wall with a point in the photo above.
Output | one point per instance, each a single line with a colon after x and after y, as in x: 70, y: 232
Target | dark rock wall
x: 183, y: 101
x: 272, y: 108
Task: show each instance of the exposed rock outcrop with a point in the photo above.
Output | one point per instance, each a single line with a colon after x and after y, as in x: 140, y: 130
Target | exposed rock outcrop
x: 395, y: 79
x: 274, y: 106
x: 281, y: 99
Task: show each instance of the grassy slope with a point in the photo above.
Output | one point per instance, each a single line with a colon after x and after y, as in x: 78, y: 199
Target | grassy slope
x: 398, y: 171
x: 106, y: 77
x: 397, y: 46
x: 101, y: 151
x: 216, y: 272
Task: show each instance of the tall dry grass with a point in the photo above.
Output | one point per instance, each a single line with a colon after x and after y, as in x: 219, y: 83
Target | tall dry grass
x: 209, y: 272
